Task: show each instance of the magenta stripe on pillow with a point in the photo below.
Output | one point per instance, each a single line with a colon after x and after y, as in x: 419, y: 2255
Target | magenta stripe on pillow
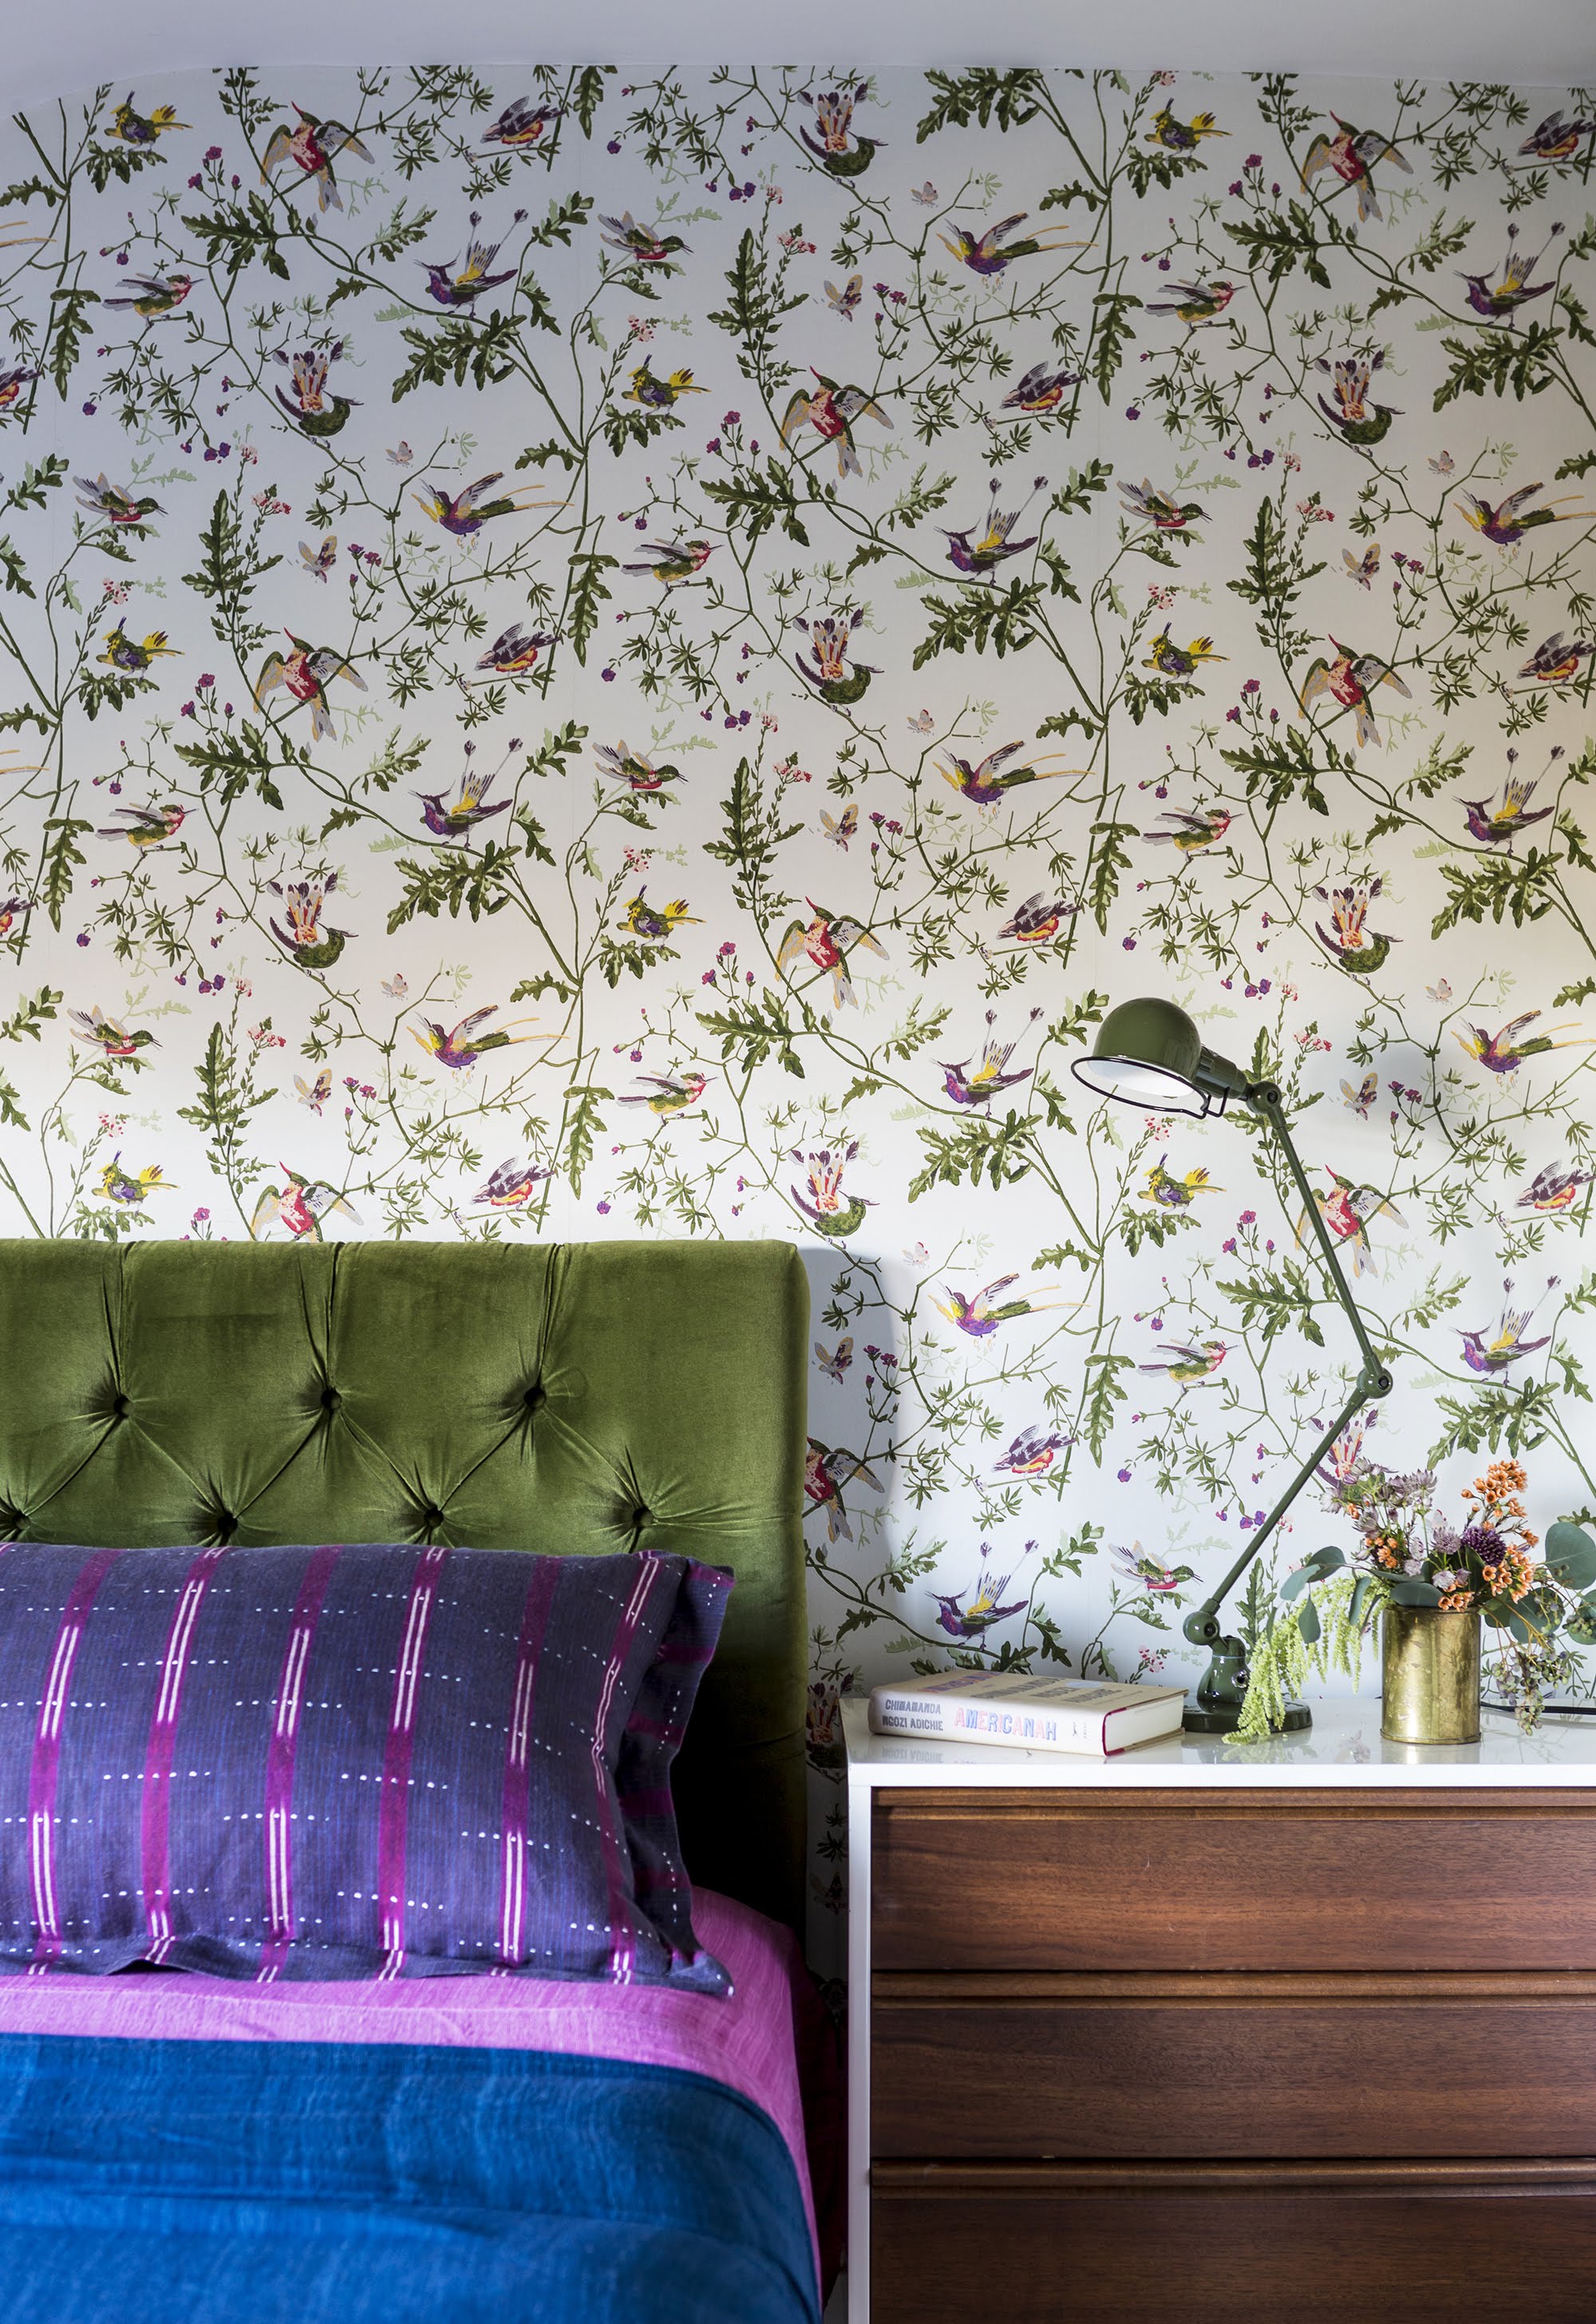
x: 156, y: 1822
x: 623, y: 1936
x: 47, y: 1752
x: 517, y: 1773
x: 393, y: 1831
x: 279, y: 1764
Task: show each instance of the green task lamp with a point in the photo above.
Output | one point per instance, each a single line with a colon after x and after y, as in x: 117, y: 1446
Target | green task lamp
x: 1150, y: 1053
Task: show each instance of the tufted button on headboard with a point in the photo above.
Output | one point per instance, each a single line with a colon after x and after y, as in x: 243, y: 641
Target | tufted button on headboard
x: 585, y: 1398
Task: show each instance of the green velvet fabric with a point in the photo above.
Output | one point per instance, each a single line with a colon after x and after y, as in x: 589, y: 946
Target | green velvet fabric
x: 579, y: 1397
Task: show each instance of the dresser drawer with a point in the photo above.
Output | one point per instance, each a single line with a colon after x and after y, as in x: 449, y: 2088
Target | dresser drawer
x: 1028, y: 1880
x: 1314, y: 2246
x: 1233, y: 2066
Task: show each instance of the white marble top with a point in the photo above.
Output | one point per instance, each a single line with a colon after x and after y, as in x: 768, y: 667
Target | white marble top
x: 1342, y: 1746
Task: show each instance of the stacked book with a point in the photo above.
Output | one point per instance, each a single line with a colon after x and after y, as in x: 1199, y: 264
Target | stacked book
x: 1029, y: 1715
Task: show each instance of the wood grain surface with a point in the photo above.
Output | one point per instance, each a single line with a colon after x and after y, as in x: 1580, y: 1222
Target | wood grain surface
x: 1240, y: 2065
x: 1418, y: 2246
x: 1234, y: 1880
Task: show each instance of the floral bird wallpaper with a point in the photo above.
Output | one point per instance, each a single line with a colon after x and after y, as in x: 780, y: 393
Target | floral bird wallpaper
x: 587, y: 652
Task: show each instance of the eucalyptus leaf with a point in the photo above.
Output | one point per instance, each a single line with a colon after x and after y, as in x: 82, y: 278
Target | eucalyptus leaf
x: 1415, y: 1594
x: 1571, y: 1553
x: 1363, y: 1589
x: 1316, y: 1567
x: 1308, y: 1621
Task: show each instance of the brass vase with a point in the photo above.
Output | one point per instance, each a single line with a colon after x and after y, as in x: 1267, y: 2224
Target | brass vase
x: 1429, y: 1676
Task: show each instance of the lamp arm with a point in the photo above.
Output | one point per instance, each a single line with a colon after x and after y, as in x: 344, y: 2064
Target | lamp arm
x: 1202, y: 1626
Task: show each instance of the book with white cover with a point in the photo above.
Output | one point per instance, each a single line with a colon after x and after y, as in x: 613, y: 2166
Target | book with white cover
x: 1029, y: 1715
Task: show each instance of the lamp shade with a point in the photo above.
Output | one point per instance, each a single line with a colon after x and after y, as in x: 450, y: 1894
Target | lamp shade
x: 1147, y: 1053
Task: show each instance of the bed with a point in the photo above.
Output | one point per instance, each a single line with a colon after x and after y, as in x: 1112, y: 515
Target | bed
x: 175, y: 2144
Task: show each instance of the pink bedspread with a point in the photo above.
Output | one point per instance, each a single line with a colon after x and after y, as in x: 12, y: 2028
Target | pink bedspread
x: 748, y: 2042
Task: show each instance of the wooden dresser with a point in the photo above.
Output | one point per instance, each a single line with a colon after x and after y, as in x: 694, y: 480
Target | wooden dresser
x: 1306, y: 2031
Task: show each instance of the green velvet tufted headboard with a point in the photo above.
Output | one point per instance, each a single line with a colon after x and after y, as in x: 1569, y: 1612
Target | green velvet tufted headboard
x: 586, y: 1396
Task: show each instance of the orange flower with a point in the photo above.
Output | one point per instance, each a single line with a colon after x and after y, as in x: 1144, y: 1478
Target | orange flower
x: 1515, y: 1573
x: 1457, y: 1601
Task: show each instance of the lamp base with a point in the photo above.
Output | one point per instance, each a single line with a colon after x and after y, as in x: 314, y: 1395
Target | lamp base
x: 1200, y: 1720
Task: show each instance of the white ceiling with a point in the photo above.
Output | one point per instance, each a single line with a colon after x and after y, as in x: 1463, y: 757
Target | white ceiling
x: 53, y: 45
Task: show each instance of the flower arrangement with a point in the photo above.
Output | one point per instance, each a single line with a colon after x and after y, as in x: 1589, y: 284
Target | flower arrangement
x: 1410, y: 1555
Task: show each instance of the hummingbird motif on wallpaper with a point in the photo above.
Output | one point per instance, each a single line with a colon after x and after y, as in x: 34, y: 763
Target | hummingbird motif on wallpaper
x: 515, y: 652
x: 1148, y: 1573
x: 129, y: 126
x: 988, y: 253
x: 460, y: 817
x: 1507, y: 522
x: 513, y: 1185
x: 1498, y: 826
x: 313, y: 147
x: 14, y: 379
x: 119, y: 1185
x: 1346, y: 1210
x: 826, y: 941
x: 828, y: 1471
x: 978, y: 1085
x: 975, y: 1315
x: 1348, y: 940
x: 1355, y: 419
x: 299, y: 1206
x: 1352, y: 155
x: 1038, y: 393
x: 113, y: 1041
x: 839, y: 147
x: 1189, y: 1367
x: 1499, y: 301
x: 835, y: 676
x: 307, y: 672
x: 460, y: 282
x: 1552, y: 663
x: 308, y: 945
x: 1038, y: 919
x: 654, y: 922
x: 981, y: 783
x: 672, y: 562
x: 521, y: 125
x: 641, y: 776
x: 826, y: 1208
x: 656, y: 394
x: 464, y: 1047
x: 1505, y: 1052
x: 986, y: 1609
x: 980, y: 558
x: 1179, y: 661
x: 1557, y: 140
x: 144, y: 828
x: 136, y: 655
x: 1507, y: 1343
x: 1555, y: 1189
x: 316, y: 411
x: 465, y: 512
x: 1167, y: 512
x: 1182, y: 137
x: 672, y: 1094
x: 1195, y: 829
x: 1195, y: 303
x: 641, y: 244
x: 831, y: 412
x: 122, y: 508
x: 1172, y: 1193
x: 1033, y: 1452
x: 1350, y: 680
x: 152, y: 296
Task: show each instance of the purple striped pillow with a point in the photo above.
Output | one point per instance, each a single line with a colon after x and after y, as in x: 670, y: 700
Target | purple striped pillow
x: 349, y: 1762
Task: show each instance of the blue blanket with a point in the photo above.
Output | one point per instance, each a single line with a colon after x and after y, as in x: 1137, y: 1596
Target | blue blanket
x: 291, y: 2182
